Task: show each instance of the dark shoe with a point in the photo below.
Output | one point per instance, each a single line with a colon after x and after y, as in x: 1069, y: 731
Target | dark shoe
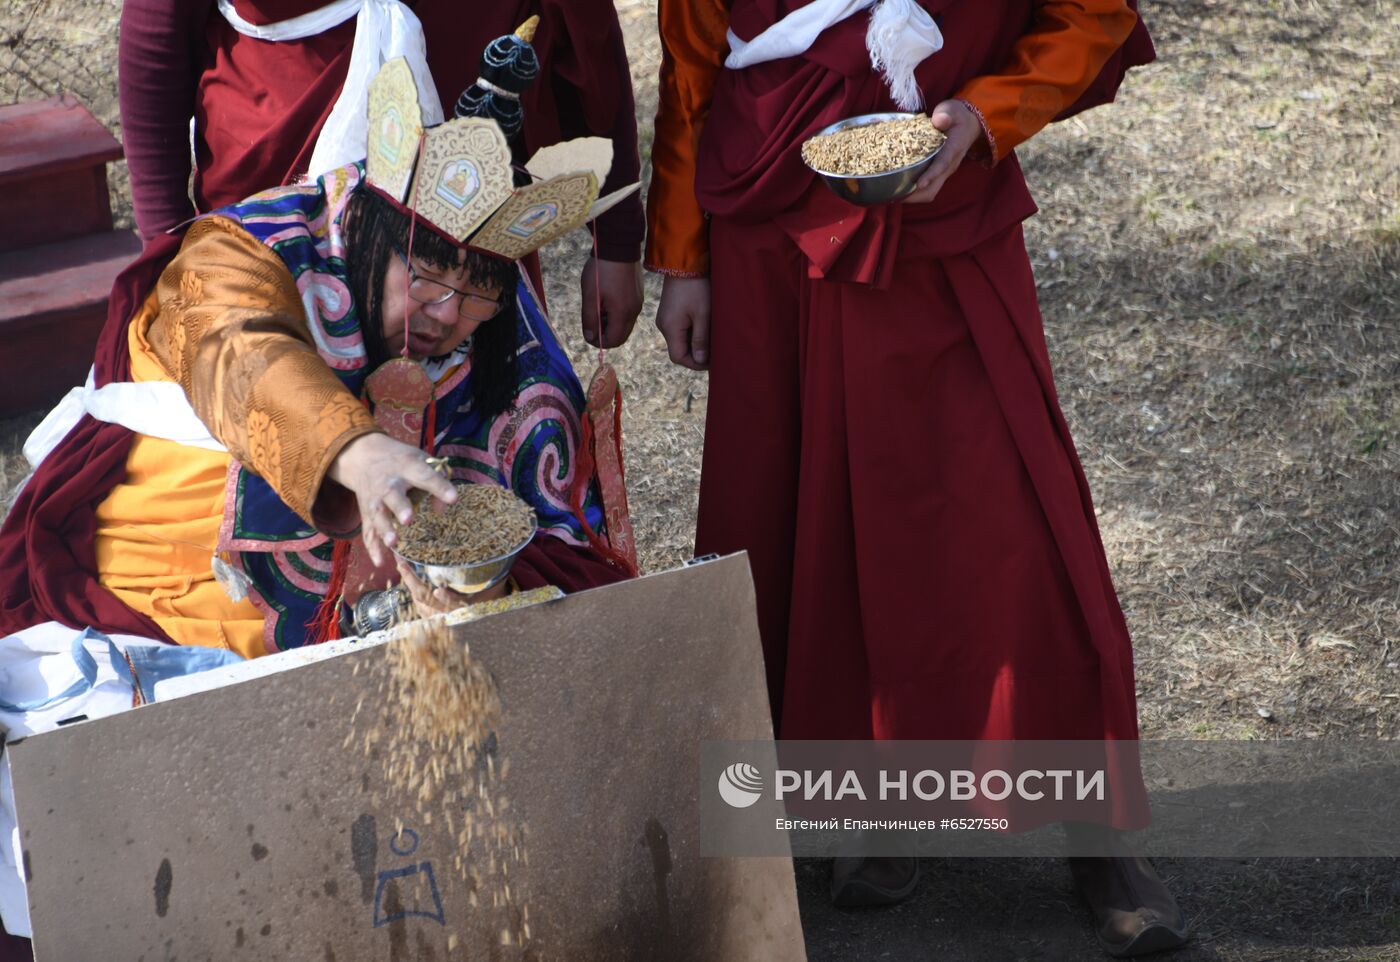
x: 1134, y: 914
x: 866, y: 882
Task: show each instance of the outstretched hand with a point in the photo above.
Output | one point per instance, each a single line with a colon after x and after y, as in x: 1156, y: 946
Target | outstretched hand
x: 957, y: 120
x: 683, y: 317
x: 382, y: 473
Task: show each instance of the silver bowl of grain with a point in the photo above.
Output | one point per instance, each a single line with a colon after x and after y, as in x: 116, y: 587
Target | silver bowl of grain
x: 471, y: 544
x: 874, y: 158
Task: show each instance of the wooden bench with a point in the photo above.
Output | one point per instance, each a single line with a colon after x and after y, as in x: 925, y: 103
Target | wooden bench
x: 58, y: 251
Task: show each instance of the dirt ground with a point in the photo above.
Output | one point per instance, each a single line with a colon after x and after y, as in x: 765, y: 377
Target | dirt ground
x: 1219, y: 268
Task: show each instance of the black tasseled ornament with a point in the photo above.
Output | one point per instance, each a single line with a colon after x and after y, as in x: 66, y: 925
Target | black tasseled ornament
x: 508, y: 66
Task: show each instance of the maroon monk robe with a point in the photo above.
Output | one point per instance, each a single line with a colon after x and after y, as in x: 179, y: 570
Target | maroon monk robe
x: 548, y: 561
x: 920, y: 532
x: 260, y: 105
x: 887, y: 442
x: 13, y: 948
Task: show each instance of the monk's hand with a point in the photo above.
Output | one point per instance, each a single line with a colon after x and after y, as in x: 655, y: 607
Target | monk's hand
x: 431, y: 601
x: 683, y: 317
x: 957, y: 120
x: 382, y: 473
x: 618, y: 287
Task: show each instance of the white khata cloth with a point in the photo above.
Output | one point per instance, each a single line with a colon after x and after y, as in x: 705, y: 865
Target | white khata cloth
x: 901, y: 36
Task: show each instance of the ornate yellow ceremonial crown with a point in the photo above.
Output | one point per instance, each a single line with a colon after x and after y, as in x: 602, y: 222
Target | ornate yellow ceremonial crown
x: 457, y: 176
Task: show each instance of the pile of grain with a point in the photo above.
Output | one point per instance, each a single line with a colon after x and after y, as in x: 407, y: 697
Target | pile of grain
x: 873, y: 148
x: 485, y: 522
x: 430, y: 723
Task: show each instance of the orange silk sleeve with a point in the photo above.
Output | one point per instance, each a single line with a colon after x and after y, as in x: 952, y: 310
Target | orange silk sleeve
x: 231, y: 330
x: 693, y: 48
x: 1051, y: 65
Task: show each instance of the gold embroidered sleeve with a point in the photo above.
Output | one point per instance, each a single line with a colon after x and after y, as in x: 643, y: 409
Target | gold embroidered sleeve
x: 232, y: 332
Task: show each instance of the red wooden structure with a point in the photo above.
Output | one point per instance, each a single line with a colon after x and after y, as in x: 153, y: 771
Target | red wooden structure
x: 58, y: 251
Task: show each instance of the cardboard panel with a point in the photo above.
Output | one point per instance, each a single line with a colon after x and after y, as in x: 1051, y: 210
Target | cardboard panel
x: 234, y: 823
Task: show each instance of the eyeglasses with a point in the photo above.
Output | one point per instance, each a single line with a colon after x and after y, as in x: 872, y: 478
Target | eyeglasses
x: 425, y: 290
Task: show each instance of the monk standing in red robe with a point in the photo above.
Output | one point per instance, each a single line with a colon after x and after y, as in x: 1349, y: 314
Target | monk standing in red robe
x: 883, y: 434
x: 259, y: 106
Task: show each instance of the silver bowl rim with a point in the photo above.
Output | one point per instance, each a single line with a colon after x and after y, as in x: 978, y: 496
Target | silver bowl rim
x: 534, y: 530
x: 865, y: 120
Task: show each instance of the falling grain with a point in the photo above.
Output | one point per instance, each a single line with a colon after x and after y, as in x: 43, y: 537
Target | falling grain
x: 434, y: 738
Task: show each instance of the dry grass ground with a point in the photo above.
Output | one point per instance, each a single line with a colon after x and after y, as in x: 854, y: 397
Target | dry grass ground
x: 1219, y: 264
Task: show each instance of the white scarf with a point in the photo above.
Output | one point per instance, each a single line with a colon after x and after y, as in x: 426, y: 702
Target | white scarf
x: 900, y: 37
x: 384, y: 29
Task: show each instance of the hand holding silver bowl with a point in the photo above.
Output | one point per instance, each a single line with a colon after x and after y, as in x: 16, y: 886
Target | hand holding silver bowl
x: 871, y: 189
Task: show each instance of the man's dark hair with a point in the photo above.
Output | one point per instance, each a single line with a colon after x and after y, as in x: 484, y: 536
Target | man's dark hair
x: 374, y: 230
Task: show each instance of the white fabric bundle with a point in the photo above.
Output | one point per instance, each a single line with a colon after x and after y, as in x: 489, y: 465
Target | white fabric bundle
x: 900, y: 37
x: 384, y: 29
